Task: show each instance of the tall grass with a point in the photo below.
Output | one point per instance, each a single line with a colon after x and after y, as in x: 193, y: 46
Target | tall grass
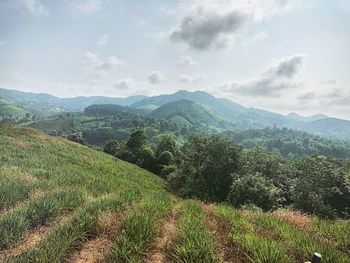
x: 138, y: 231
x: 258, y: 249
x: 71, y: 234
x: 13, y: 190
x: 16, y: 223
x: 194, y: 242
x: 301, y: 244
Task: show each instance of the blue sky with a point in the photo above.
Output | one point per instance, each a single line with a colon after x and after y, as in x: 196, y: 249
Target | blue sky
x: 280, y: 55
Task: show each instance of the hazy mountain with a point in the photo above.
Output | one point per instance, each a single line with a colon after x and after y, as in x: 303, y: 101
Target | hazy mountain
x: 205, y: 110
x: 297, y: 117
x: 46, y: 104
x: 185, y: 112
x: 329, y: 127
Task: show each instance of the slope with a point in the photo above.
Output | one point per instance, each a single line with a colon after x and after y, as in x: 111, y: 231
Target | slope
x: 46, y: 104
x: 185, y: 112
x: 63, y: 202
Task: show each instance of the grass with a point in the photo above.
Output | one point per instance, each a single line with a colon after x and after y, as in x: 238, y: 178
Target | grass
x: 301, y: 243
x: 45, y: 179
x: 194, y: 242
x: 138, y: 231
x: 41, y: 210
x: 255, y: 248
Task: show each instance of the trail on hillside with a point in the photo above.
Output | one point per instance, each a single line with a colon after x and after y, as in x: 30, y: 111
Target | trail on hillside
x: 165, y: 237
x: 96, y: 249
x: 32, y: 239
x: 226, y: 249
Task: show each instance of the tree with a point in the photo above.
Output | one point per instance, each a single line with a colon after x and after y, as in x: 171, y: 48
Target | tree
x: 322, y: 187
x: 137, y: 140
x: 167, y: 143
x: 206, y: 169
x: 114, y: 147
x: 254, y: 189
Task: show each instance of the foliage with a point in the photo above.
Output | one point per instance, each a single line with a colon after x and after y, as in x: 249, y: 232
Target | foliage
x: 206, y: 168
x: 322, y: 187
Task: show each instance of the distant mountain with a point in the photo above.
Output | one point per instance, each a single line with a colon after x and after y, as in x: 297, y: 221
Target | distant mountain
x: 297, y: 117
x: 330, y: 127
x: 46, y: 104
x: 109, y: 110
x: 205, y: 110
x: 185, y: 112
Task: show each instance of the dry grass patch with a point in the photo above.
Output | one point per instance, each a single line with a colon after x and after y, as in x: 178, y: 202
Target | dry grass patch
x: 96, y: 249
x: 296, y: 218
x: 164, y: 240
x: 227, y: 250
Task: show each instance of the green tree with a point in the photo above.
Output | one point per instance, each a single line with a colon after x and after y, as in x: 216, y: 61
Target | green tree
x: 206, y: 169
x: 322, y: 187
x: 254, y: 189
x: 137, y: 140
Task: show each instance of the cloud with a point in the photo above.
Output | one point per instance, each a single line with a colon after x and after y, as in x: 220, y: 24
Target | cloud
x: 204, y: 29
x: 103, y: 40
x: 187, y: 61
x: 123, y: 84
x: 3, y: 43
x: 155, y: 77
x: 328, y: 82
x: 206, y: 24
x: 35, y: 7
x: 85, y: 7
x: 274, y: 80
x: 189, y: 79
x: 101, y: 66
x: 307, y: 96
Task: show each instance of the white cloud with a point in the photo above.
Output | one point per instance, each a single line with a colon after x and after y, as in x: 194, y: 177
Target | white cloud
x: 189, y: 79
x: 3, y: 43
x: 206, y: 24
x: 155, y: 77
x: 85, y: 7
x: 187, y: 61
x: 274, y: 80
x: 101, y: 66
x: 103, y: 40
x: 35, y: 7
x: 123, y: 84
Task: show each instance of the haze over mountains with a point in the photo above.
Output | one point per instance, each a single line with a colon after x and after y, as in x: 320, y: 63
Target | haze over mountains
x: 183, y: 107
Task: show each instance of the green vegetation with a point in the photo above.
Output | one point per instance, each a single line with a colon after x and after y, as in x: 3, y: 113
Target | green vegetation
x: 194, y: 242
x: 68, y: 195
x: 138, y: 231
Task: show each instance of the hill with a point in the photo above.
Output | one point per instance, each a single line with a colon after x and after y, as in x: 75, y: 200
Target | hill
x: 46, y: 104
x: 222, y: 109
x: 64, y: 202
x: 185, y: 112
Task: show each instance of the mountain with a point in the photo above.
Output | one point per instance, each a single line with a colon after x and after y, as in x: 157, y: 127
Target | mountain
x: 297, y: 117
x: 222, y: 110
x: 46, y: 104
x: 329, y: 127
x: 185, y: 112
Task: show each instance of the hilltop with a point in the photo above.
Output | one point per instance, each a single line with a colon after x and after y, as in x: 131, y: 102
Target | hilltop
x: 228, y: 114
x: 64, y: 202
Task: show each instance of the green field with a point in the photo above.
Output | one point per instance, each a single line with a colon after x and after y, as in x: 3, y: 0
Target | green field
x: 64, y: 202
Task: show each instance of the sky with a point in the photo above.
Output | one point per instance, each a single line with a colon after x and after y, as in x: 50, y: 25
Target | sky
x: 279, y: 55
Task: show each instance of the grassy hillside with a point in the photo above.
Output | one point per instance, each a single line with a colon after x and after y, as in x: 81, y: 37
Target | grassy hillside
x: 63, y: 202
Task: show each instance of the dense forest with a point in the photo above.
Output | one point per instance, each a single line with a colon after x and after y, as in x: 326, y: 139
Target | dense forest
x: 215, y: 169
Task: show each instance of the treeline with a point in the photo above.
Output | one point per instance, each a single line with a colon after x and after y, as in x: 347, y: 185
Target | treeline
x: 217, y: 170
x: 289, y: 143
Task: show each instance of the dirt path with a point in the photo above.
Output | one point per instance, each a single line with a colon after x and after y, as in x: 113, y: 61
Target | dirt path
x: 165, y: 237
x: 225, y: 247
x: 95, y: 250
x: 32, y: 239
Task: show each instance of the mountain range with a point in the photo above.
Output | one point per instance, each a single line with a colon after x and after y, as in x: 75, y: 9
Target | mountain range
x: 183, y: 107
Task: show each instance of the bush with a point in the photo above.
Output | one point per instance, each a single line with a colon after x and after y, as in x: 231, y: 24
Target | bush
x: 254, y: 189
